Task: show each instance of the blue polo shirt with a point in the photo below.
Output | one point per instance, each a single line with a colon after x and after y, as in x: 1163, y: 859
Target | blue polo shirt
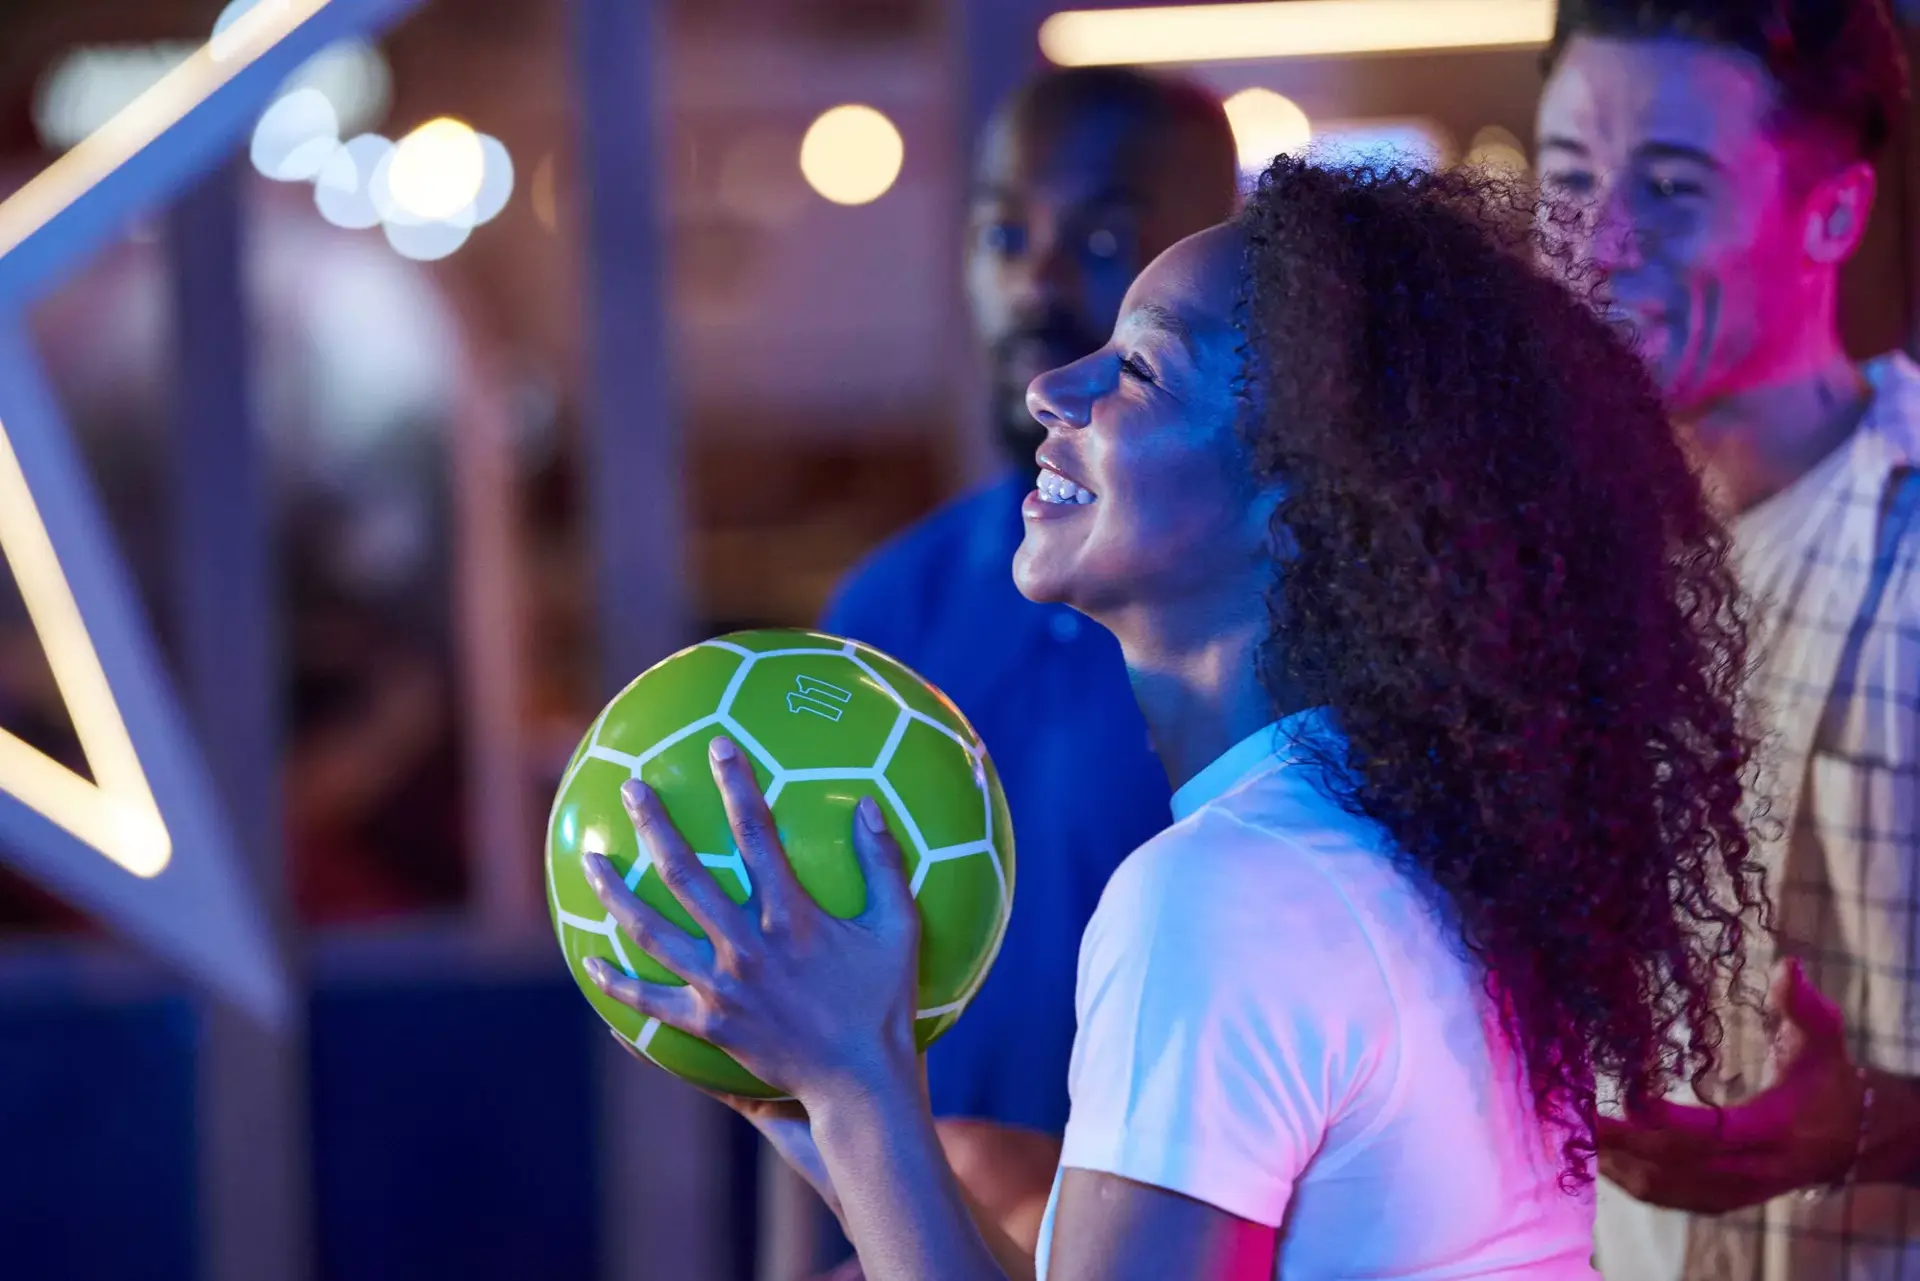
x: 1047, y: 691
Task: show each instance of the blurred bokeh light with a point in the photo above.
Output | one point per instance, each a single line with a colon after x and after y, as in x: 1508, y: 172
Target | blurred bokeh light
x: 85, y: 87
x: 1266, y: 124
x: 1289, y: 29
x: 851, y: 154
x: 343, y: 189
x: 427, y: 192
x: 296, y: 137
x: 437, y: 171
x: 1498, y: 151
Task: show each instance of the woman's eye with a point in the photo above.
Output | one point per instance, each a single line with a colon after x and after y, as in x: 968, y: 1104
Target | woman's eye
x: 1134, y: 367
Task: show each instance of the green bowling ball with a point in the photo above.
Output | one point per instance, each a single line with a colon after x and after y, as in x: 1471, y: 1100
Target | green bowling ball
x: 825, y: 722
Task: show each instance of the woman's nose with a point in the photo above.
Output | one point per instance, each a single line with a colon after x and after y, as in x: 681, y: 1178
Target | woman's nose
x: 1064, y: 397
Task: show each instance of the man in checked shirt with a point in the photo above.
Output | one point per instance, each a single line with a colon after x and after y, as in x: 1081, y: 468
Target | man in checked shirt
x: 1720, y: 154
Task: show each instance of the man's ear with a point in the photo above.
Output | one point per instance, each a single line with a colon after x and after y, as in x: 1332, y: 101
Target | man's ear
x: 1837, y: 211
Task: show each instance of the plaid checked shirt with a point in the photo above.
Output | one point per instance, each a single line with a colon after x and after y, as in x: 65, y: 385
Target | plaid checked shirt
x: 1833, y: 564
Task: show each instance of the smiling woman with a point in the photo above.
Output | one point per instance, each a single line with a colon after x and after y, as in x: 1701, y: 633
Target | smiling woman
x: 1439, y: 646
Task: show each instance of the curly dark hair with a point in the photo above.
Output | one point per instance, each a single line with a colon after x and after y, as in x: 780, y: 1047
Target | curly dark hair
x: 1503, y: 580
x: 1838, y: 63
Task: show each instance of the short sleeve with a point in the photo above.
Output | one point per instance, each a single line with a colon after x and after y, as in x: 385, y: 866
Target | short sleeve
x: 1231, y: 1008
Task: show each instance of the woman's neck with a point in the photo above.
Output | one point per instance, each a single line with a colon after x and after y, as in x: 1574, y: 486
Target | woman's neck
x: 1200, y: 693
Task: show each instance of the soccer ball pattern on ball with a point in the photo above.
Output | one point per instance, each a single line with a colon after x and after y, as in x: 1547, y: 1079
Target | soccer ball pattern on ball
x: 825, y: 722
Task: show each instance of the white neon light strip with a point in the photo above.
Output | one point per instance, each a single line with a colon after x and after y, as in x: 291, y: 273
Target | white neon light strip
x: 1290, y: 29
x: 147, y: 117
x: 116, y: 812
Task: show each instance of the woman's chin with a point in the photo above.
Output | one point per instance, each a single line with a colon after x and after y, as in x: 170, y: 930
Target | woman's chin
x: 1039, y: 576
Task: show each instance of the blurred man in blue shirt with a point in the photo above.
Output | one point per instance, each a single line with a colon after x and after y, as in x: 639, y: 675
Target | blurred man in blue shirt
x: 1083, y: 177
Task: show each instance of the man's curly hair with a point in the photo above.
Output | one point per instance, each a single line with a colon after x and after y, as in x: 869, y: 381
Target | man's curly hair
x: 1503, y: 580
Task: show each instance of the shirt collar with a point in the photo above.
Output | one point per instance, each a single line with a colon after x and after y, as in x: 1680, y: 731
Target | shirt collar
x: 1891, y: 426
x: 1264, y: 749
x: 1887, y: 440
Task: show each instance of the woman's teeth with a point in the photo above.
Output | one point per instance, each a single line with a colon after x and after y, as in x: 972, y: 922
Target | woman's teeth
x: 1055, y: 488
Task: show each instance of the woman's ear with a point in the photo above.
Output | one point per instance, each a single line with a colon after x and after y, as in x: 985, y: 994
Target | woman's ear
x: 1276, y: 540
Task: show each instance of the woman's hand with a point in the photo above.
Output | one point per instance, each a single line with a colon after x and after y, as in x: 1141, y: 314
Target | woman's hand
x: 784, y: 1125
x: 813, y: 1005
